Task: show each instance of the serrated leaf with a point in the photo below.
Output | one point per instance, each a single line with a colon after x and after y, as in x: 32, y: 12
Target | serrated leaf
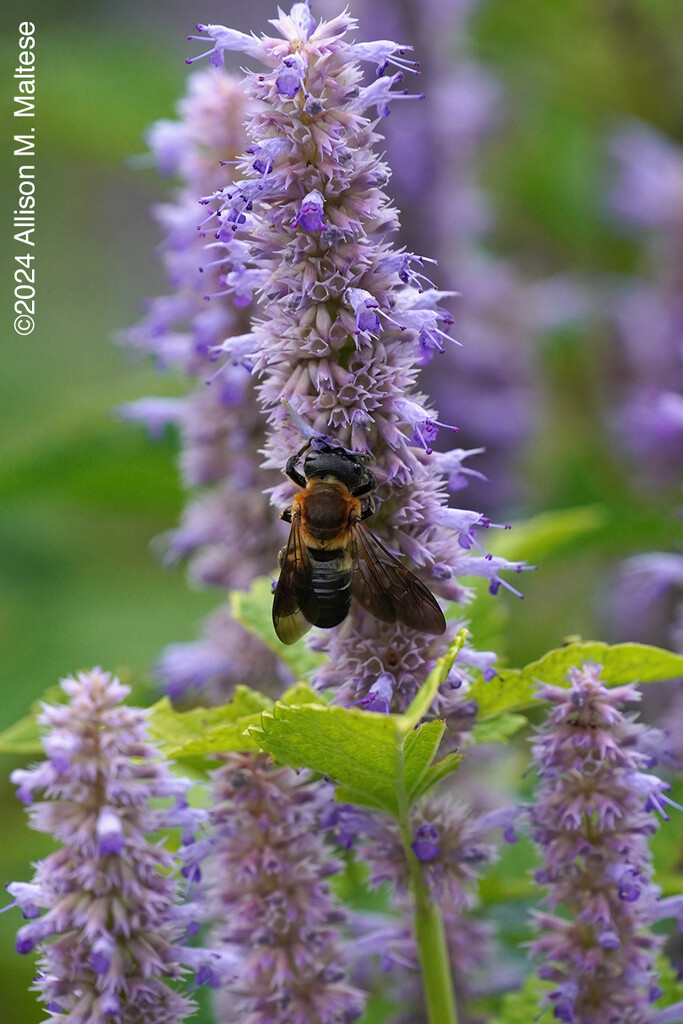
x: 375, y: 759
x: 203, y: 731
x: 435, y: 773
x: 354, y: 747
x: 514, y: 689
x: 253, y: 609
x: 498, y: 729
x: 419, y: 751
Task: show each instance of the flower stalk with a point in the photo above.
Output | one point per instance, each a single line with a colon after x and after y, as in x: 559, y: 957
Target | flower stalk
x: 430, y: 935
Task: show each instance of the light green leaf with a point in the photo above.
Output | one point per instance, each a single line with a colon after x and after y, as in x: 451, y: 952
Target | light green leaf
x: 498, y: 729
x: 523, y: 1006
x: 204, y: 731
x: 419, y: 750
x: 253, y: 608
x: 22, y: 737
x: 357, y: 748
x: 672, y: 990
x: 514, y: 689
x: 435, y: 773
x: 376, y: 759
x: 301, y: 693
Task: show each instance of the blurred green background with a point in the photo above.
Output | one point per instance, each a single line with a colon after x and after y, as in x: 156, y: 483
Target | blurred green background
x: 82, y: 494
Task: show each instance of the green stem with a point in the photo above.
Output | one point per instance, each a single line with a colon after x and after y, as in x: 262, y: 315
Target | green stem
x: 430, y: 935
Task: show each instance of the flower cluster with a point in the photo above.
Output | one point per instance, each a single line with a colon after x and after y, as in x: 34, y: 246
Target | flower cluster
x: 592, y: 819
x: 114, y: 924
x: 345, y: 321
x: 228, y: 530
x: 270, y: 900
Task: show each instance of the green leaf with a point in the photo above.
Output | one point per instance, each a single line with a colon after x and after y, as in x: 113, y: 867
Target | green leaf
x: 253, y: 609
x: 374, y: 758
x: 301, y: 693
x: 498, y: 729
x: 435, y: 773
x: 523, y: 1006
x: 357, y: 748
x: 672, y: 990
x: 514, y: 689
x: 204, y: 731
x: 23, y: 737
x: 419, y: 750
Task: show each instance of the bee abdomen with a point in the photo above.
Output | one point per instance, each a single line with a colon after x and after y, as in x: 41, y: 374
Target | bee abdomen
x: 331, y: 582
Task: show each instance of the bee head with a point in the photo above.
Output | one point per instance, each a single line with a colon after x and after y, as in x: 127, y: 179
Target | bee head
x: 326, y: 461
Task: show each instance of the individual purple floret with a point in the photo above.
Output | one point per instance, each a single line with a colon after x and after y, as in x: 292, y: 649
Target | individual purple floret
x: 270, y: 901
x: 592, y: 818
x: 113, y: 927
x: 344, y: 318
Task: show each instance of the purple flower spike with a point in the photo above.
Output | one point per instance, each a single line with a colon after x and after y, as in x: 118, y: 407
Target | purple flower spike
x: 591, y: 822
x: 228, y: 533
x: 272, y: 906
x: 345, y: 320
x: 113, y: 925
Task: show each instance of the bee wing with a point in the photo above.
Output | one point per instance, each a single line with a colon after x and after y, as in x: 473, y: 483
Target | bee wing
x: 387, y: 589
x: 294, y: 604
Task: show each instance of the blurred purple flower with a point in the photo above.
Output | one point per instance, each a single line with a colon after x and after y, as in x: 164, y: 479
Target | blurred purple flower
x: 647, y: 599
x: 273, y: 912
x: 648, y: 311
x: 228, y: 531
x: 206, y: 671
x: 114, y: 926
x: 592, y: 818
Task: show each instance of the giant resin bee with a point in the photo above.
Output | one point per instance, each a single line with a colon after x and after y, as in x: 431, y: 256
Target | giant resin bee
x: 332, y: 556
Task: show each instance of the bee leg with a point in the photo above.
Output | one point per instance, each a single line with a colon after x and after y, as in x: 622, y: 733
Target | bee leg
x: 367, y: 509
x: 286, y: 514
x: 281, y: 557
x: 291, y: 470
x: 365, y: 488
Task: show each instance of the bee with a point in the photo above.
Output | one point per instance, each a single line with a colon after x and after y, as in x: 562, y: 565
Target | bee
x: 332, y: 556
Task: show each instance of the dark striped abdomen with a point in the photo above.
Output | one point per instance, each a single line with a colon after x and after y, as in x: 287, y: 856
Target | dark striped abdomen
x: 331, y: 583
